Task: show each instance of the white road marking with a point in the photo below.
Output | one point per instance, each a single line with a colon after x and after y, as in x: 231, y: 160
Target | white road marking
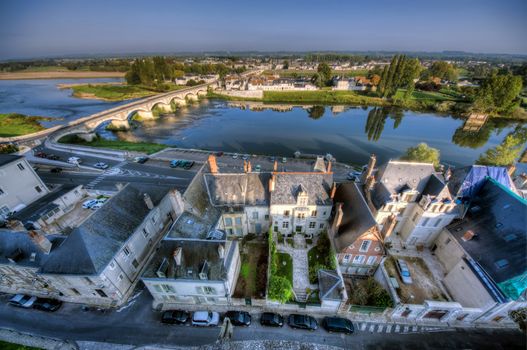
x: 372, y: 328
x: 406, y: 329
x: 388, y: 328
x: 363, y: 327
x: 397, y: 328
x: 380, y: 328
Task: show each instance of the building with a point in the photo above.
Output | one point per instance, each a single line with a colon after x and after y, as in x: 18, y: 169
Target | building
x: 483, y: 255
x: 356, y: 237
x: 343, y: 83
x: 101, y: 260
x: 412, y: 194
x: 19, y: 184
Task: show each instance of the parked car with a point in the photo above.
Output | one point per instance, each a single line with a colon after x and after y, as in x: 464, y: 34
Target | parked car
x: 271, y: 319
x: 235, y: 156
x: 219, y: 154
x: 284, y: 160
x: 74, y: 160
x: 56, y: 170
x: 239, y: 318
x: 175, y: 317
x: 337, y: 325
x: 89, y: 203
x: 175, y: 163
x: 187, y: 164
x: 245, y: 157
x: 22, y: 300
x: 302, y: 322
x: 272, y: 159
x: 404, y: 271
x: 205, y: 318
x: 141, y: 160
x: 53, y: 157
x: 101, y: 165
x: 97, y: 205
x: 257, y: 168
x: 41, y: 155
x: 46, y: 304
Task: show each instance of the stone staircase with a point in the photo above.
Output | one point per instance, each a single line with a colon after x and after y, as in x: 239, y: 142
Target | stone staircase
x: 301, y: 295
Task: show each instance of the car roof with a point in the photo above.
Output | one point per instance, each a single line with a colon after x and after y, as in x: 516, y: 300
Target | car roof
x: 337, y: 321
x: 201, y: 315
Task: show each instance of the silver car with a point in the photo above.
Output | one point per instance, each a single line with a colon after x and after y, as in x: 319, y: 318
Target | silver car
x: 205, y: 318
x: 404, y: 271
x: 22, y: 300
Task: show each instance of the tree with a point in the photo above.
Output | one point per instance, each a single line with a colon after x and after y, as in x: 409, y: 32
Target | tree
x: 375, y: 79
x: 508, y: 151
x: 316, y: 112
x: 285, y: 65
x: 443, y: 70
x: 280, y: 289
x: 422, y: 153
x: 498, y: 93
x: 325, y: 73
x: 375, y: 123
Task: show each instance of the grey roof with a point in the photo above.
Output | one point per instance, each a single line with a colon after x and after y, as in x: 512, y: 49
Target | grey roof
x: 317, y: 186
x: 466, y: 181
x: 194, y: 254
x: 238, y: 189
x: 435, y: 187
x: 43, y: 205
x: 8, y: 158
x: 19, y: 243
x: 330, y: 285
x: 192, y: 226
x: 498, y: 217
x: 357, y: 217
x: 91, y: 246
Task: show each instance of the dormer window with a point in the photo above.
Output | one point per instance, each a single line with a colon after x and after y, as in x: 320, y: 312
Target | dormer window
x: 302, y: 197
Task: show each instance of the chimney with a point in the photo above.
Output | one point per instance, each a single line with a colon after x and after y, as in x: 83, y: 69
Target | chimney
x: 271, y: 183
x: 333, y: 190
x: 275, y: 166
x: 40, y: 241
x: 468, y: 235
x: 369, y: 170
x: 249, y: 167
x: 329, y: 167
x: 244, y: 166
x: 177, y: 255
x: 370, y: 181
x: 511, y: 169
x: 221, y: 251
x: 148, y: 201
x: 338, y: 216
x: 212, y: 164
x: 388, y: 226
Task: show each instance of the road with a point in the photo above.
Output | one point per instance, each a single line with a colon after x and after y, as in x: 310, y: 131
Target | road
x: 137, y: 324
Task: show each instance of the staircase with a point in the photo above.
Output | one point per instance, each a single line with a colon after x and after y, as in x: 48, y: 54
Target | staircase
x: 301, y: 295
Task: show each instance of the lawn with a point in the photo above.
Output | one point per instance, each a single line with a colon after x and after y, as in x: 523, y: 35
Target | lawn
x: 429, y: 96
x: 253, y: 272
x: 13, y: 124
x: 323, y: 97
x: 112, y: 92
x: 285, y: 266
x: 12, y: 346
x: 143, y: 147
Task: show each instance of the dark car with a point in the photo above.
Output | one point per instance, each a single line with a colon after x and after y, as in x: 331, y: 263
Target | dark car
x: 302, y: 322
x: 56, y: 170
x: 41, y: 155
x: 141, y: 160
x: 188, y: 164
x: 46, y: 304
x: 239, y: 318
x: 53, y: 157
x: 271, y: 319
x: 219, y: 154
x: 337, y: 325
x: 175, y: 317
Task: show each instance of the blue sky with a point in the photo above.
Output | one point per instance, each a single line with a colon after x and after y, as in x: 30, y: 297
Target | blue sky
x: 31, y: 28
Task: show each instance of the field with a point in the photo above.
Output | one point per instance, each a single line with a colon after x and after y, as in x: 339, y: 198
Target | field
x: 113, y: 92
x: 13, y: 124
x: 143, y: 147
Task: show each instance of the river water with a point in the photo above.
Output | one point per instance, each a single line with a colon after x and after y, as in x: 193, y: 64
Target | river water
x: 349, y: 134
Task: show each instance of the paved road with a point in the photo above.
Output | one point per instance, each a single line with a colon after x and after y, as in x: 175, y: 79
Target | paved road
x: 137, y: 324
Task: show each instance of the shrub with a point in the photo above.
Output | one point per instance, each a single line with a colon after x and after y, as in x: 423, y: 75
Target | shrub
x: 280, y: 289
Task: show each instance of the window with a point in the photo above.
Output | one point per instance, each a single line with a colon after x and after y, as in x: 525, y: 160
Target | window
x: 276, y: 229
x: 312, y: 224
x: 238, y: 221
x: 286, y: 212
x: 101, y: 293
x: 88, y: 281
x: 230, y: 231
x: 346, y: 259
x: 20, y: 166
x: 126, y: 251
x: 158, y: 289
x: 1, y: 191
x: 425, y: 221
x: 167, y: 288
x: 255, y: 215
x: 324, y: 213
x: 301, y: 216
x: 314, y: 214
x: 358, y: 259
x: 209, y: 290
x: 135, y: 263
x: 120, y: 277
x: 38, y: 189
x: 371, y: 260
x: 285, y: 224
x: 365, y: 245
x: 438, y: 221
x: 266, y: 217
x: 321, y: 226
x: 298, y: 229
x: 415, y: 217
x: 239, y: 231
x: 76, y: 292
x: 228, y: 222
x: 112, y: 265
x: 145, y: 232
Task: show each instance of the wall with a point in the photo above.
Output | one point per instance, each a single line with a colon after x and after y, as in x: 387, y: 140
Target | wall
x: 242, y: 93
x: 448, y: 251
x: 347, y: 255
x: 278, y: 218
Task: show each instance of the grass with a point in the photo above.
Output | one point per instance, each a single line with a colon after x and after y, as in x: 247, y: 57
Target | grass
x: 143, y: 147
x: 323, y: 97
x: 14, y: 124
x: 285, y: 266
x: 288, y: 73
x: 11, y: 346
x: 112, y: 92
x: 428, y: 96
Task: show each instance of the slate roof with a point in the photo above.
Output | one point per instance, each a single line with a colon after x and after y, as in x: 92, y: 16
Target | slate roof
x: 317, y: 186
x: 357, y: 217
x: 498, y: 217
x: 435, y: 187
x: 466, y: 181
x: 8, y: 158
x: 238, y: 189
x: 91, y: 246
x: 330, y: 285
x: 11, y: 241
x: 43, y: 205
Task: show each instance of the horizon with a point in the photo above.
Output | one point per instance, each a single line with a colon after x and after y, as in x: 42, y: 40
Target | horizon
x: 63, y: 29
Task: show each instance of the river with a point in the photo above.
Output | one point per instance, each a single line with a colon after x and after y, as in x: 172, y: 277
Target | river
x: 349, y: 134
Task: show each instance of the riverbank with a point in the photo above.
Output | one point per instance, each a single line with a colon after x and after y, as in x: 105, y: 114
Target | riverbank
x: 14, y: 124
x: 115, y: 92
x: 59, y: 75
x: 143, y: 147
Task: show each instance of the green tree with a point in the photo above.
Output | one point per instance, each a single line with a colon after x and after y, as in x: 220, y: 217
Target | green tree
x: 443, y: 70
x: 422, y: 153
x: 375, y: 123
x: 280, y: 289
x: 324, y: 70
x: 285, y: 64
x: 508, y: 151
x: 498, y: 93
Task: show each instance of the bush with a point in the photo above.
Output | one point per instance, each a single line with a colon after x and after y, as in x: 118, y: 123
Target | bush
x: 369, y: 292
x: 8, y: 148
x: 321, y: 257
x: 280, y: 289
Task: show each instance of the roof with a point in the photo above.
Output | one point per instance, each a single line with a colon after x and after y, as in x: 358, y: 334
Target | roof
x: 330, y: 285
x: 498, y: 219
x: 43, y: 205
x: 190, y: 226
x: 11, y: 241
x: 317, y: 186
x: 435, y: 187
x: 8, y: 158
x: 238, y: 189
x: 194, y: 254
x: 465, y: 182
x: 357, y: 217
x: 91, y: 246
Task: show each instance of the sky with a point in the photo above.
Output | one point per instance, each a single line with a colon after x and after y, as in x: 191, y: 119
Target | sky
x: 52, y: 28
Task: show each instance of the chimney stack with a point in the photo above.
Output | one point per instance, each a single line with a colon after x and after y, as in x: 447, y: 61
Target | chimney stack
x: 388, y: 226
x: 271, y: 182
x: 40, y: 241
x: 329, y: 167
x: 511, y: 169
x: 244, y: 166
x: 177, y: 255
x: 369, y: 170
x: 333, y: 190
x: 275, y: 166
x: 370, y: 181
x: 212, y: 164
x: 249, y: 167
x: 148, y: 201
